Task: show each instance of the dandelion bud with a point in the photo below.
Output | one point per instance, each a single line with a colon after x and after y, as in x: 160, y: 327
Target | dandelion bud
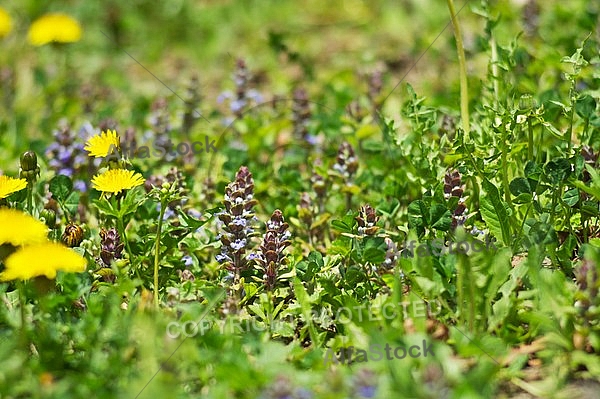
x: 30, y: 169
x: 526, y: 103
x: 29, y: 161
x: 49, y: 217
x: 73, y: 235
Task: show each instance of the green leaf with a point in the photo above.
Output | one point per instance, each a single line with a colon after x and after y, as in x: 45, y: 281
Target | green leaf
x: 320, y: 220
x: 520, y: 185
x: 541, y: 234
x: 557, y: 170
x: 523, y: 198
x: 105, y: 206
x: 311, y: 266
x: 346, y: 225
x: 440, y: 217
x: 341, y: 246
x: 188, y: 221
x: 257, y: 310
x: 594, y: 189
x: 533, y: 171
x: 133, y: 199
x: 585, y: 106
x: 304, y: 302
x: 494, y: 213
x: 374, y: 250
x: 60, y: 187
x: 72, y: 202
x: 571, y: 197
x: 417, y: 211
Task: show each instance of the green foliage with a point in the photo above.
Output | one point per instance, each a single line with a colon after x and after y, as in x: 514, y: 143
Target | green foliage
x: 514, y: 315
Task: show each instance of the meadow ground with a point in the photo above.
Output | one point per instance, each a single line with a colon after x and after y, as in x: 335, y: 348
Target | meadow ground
x: 299, y: 199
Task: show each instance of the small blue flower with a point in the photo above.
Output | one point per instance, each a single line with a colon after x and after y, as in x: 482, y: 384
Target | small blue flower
x: 312, y: 140
x: 226, y: 95
x: 194, y: 213
x: 303, y: 393
x: 80, y: 185
x: 238, y: 244
x: 64, y: 155
x: 367, y: 391
x: 254, y: 95
x: 239, y: 221
x: 222, y: 258
x: 227, y: 121
x: 237, y: 105
x: 66, y: 172
x: 187, y: 260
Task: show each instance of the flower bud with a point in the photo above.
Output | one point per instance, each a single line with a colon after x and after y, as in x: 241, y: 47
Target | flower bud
x: 49, y: 217
x: 30, y: 169
x: 73, y: 235
x: 526, y: 103
x: 29, y: 161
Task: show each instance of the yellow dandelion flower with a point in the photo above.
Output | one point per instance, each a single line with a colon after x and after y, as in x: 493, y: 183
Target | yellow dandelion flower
x: 116, y: 180
x: 5, y: 23
x: 56, y: 27
x: 9, y: 185
x: 42, y: 260
x: 104, y: 144
x: 18, y: 228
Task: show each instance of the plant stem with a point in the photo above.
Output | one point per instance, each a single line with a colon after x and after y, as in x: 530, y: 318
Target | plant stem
x: 121, y: 228
x: 495, y: 69
x: 163, y: 206
x: 505, y: 182
x: 530, y: 143
x: 23, y: 302
x: 30, y: 198
x: 464, y: 90
x: 467, y: 311
x: 572, y: 118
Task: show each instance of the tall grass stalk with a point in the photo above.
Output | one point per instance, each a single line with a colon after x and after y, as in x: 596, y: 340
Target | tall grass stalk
x: 464, y: 90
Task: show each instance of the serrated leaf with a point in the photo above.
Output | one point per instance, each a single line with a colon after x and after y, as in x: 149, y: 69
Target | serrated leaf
x: 106, y: 207
x: 493, y: 212
x: 133, y: 199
